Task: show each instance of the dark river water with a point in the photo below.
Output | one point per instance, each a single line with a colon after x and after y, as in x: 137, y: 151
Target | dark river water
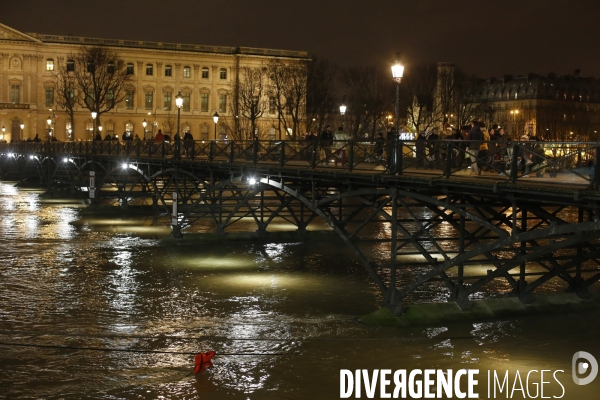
x: 95, y: 308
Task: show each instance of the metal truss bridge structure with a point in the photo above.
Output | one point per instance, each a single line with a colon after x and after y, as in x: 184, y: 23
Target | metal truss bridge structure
x: 513, y: 230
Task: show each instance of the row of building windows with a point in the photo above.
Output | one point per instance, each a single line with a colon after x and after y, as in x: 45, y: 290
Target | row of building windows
x: 187, y: 71
x: 167, y: 101
x: 532, y: 94
x: 15, y: 97
x: 129, y: 99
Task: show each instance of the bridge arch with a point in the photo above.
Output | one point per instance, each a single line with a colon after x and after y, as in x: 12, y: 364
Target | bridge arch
x: 382, y: 203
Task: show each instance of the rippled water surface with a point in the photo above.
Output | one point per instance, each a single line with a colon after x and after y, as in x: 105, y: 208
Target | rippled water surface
x: 94, y: 307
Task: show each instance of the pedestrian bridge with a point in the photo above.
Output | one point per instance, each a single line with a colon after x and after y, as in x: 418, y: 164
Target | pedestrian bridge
x: 519, y: 228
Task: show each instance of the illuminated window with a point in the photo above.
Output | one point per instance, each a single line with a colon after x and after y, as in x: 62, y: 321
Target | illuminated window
x: 89, y: 127
x: 49, y: 96
x: 167, y: 101
x: 110, y: 128
x: 69, y: 130
x: 222, y: 103
x: 204, y: 102
x: 129, y: 99
x: 149, y: 103
x: 15, y: 94
x: 110, y: 98
x: 186, y: 101
x: 187, y: 72
x: 49, y: 64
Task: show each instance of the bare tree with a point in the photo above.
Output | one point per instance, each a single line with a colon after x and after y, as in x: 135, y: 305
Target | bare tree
x: 556, y: 120
x: 321, y: 93
x: 100, y: 77
x: 251, y: 97
x: 417, y: 95
x: 289, y: 81
x: 64, y: 83
x: 247, y: 102
x: 169, y: 123
x: 370, y: 94
x: 467, y: 104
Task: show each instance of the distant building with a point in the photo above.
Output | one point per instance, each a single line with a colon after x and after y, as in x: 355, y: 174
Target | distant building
x: 203, y: 74
x: 558, y: 108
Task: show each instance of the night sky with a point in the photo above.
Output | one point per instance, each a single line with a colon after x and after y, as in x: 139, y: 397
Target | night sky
x: 484, y: 37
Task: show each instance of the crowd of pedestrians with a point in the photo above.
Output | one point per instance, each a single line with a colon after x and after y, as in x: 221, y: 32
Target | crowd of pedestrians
x: 478, y: 149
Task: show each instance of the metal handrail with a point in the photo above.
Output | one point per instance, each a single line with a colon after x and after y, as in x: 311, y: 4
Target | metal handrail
x: 442, y: 158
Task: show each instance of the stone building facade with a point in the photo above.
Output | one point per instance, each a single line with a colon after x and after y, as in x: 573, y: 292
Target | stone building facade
x: 557, y: 108
x: 203, y: 75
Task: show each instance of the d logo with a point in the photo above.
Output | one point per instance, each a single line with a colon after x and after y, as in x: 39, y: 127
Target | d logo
x: 583, y: 367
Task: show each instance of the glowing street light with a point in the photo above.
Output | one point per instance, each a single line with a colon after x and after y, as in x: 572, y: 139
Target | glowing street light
x: 178, y: 103
x: 144, y: 124
x: 216, y: 119
x: 94, y: 115
x: 22, y: 127
x: 397, y: 74
x: 3, y: 130
x: 49, y: 121
x: 342, y: 113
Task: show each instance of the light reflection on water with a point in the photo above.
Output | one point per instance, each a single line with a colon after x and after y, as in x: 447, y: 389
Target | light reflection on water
x: 282, y: 317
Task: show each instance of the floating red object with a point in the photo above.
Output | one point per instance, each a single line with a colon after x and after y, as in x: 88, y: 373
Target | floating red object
x: 202, y: 361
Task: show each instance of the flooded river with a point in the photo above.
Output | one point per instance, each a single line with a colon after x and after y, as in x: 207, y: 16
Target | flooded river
x: 95, y: 308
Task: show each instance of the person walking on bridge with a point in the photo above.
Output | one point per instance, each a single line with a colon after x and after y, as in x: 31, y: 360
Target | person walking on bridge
x: 341, y: 142
x: 475, y: 140
x: 326, y: 143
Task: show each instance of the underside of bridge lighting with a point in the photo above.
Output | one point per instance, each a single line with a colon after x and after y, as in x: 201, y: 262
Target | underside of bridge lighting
x: 252, y: 181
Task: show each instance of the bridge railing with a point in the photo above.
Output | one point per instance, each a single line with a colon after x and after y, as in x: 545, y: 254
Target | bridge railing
x: 572, y: 162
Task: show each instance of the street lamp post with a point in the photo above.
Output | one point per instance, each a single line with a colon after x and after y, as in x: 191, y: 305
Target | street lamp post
x: 94, y: 115
x: 216, y: 119
x: 21, y: 133
x: 144, y: 124
x: 49, y: 121
x: 3, y: 130
x: 396, y: 159
x: 178, y: 103
x: 177, y: 138
x: 342, y: 113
